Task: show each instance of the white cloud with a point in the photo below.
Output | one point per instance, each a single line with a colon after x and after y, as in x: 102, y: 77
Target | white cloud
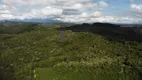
x: 7, y: 12
x: 6, y: 16
x: 15, y: 2
x: 103, y: 4
x: 51, y: 8
x: 5, y: 7
x: 84, y: 14
x: 51, y: 11
x: 136, y: 10
x: 97, y: 13
x: 65, y: 10
x: 43, y: 2
x: 82, y: 18
x: 11, y: 12
x: 77, y: 6
x: 46, y: 12
x: 90, y: 15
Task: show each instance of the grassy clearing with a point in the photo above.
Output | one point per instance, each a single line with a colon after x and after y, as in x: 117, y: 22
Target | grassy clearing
x: 51, y: 74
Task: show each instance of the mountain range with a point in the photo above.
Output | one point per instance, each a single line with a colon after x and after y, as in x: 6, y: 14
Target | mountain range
x: 36, y: 20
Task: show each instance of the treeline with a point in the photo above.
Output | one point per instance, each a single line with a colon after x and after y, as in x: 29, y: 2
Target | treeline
x: 16, y: 28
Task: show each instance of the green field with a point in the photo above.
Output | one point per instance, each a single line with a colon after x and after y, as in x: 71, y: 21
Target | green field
x: 51, y: 74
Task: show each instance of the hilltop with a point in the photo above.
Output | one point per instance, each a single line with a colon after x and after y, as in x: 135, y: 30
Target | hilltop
x: 110, y: 31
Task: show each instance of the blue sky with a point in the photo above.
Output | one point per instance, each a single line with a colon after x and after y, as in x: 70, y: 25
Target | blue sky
x: 127, y: 11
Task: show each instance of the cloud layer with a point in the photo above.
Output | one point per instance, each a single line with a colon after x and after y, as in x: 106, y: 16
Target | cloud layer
x: 65, y: 10
x: 137, y: 10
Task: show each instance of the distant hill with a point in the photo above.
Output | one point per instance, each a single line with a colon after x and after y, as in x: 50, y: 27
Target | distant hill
x: 110, y: 31
x: 88, y: 27
x: 36, y: 20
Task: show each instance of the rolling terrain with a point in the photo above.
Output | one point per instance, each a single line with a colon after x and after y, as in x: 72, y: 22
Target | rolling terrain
x: 34, y: 51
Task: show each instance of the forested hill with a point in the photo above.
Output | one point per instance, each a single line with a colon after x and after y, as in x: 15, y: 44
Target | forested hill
x: 30, y: 51
x: 110, y: 31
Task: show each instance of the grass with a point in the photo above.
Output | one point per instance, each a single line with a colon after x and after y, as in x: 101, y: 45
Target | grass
x: 51, y: 74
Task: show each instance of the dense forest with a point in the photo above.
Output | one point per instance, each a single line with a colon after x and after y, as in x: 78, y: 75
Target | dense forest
x: 99, y: 51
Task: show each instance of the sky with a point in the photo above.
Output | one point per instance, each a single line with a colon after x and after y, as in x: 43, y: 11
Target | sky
x: 118, y: 11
